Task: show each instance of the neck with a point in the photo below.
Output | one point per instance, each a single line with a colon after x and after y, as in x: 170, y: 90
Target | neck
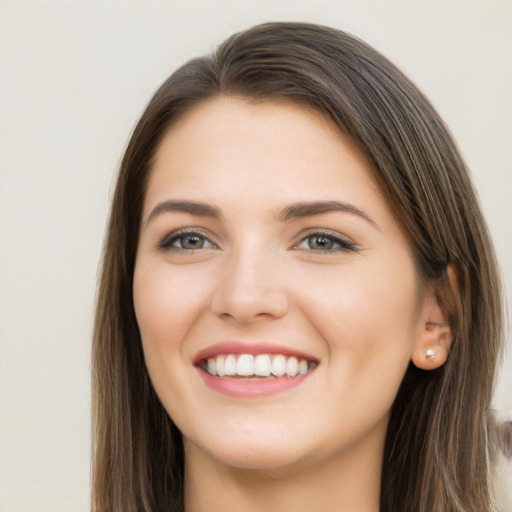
x: 348, y: 481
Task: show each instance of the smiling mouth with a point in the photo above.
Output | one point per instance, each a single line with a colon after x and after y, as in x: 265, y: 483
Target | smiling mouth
x: 261, y: 366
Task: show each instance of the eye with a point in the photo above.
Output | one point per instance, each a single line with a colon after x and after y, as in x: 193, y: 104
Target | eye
x: 325, y: 242
x: 186, y: 241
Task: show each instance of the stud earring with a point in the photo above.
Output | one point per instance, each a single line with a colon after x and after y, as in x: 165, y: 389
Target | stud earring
x: 430, y: 353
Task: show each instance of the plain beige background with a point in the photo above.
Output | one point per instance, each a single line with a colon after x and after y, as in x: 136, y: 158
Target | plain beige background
x: 74, y: 77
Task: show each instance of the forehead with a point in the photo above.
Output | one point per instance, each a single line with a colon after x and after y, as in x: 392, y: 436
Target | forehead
x: 232, y: 145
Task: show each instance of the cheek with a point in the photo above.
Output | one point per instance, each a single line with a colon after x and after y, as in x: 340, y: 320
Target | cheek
x: 166, y: 302
x: 368, y: 320
x: 167, y: 305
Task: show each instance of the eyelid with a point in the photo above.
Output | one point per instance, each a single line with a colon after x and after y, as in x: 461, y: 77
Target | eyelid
x: 343, y: 242
x: 166, y: 242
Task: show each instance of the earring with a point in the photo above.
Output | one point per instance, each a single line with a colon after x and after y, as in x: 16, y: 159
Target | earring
x: 430, y: 353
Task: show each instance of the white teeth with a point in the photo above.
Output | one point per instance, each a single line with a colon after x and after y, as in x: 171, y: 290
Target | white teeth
x: 262, y: 365
x: 230, y: 365
x: 245, y: 365
x: 292, y: 365
x: 220, y: 366
x: 211, y: 367
x: 279, y: 366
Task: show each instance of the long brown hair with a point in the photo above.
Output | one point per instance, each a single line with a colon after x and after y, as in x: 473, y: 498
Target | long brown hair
x: 437, y: 449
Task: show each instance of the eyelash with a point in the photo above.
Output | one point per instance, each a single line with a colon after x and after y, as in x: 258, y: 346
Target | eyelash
x: 341, y: 245
x: 167, y: 244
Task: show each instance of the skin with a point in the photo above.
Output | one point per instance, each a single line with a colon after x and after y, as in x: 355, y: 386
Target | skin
x: 360, y: 311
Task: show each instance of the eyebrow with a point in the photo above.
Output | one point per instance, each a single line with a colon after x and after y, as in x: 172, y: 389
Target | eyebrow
x: 307, y: 209
x: 192, y: 207
x: 290, y: 212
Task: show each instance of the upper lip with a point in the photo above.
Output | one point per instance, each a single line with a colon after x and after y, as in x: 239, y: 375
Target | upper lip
x: 254, y: 348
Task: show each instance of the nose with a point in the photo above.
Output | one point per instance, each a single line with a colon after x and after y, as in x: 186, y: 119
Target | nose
x: 250, y: 288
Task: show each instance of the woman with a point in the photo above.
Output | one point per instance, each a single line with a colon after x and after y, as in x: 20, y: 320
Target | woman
x: 299, y: 305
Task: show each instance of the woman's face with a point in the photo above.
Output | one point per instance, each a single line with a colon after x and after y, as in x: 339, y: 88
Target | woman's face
x: 266, y: 247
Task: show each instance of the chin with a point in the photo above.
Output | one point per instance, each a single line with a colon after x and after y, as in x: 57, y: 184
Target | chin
x: 256, y: 457
x: 249, y: 446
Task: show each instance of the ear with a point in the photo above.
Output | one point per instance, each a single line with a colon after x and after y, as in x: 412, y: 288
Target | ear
x: 435, y: 333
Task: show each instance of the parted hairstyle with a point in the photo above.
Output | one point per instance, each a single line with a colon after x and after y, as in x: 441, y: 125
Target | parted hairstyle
x: 438, y: 450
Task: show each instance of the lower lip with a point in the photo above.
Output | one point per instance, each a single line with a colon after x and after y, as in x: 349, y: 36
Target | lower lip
x: 249, y: 388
